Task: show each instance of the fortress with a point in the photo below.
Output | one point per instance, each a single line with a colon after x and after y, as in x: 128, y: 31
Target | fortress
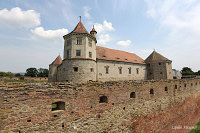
x: 84, y: 61
x: 134, y: 105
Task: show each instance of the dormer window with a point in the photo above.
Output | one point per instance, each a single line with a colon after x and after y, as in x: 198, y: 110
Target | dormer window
x: 79, y: 40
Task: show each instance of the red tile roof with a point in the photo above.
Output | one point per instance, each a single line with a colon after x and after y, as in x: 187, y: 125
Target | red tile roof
x: 93, y: 30
x: 57, y: 61
x: 80, y: 28
x: 117, y: 55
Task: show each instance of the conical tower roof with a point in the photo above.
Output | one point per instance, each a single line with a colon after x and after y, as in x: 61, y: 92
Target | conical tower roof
x: 80, y: 28
x: 57, y: 61
x: 154, y: 56
x: 93, y: 30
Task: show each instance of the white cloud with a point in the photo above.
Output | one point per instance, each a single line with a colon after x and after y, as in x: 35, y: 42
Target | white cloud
x: 49, y: 35
x: 103, y: 39
x: 181, y: 19
x: 106, y: 26
x: 124, y: 43
x: 16, y: 18
x: 176, y: 15
x: 86, y: 10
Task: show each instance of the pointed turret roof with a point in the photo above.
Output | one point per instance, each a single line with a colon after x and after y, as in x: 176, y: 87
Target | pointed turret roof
x: 57, y: 61
x: 154, y: 56
x: 93, y: 30
x: 80, y: 28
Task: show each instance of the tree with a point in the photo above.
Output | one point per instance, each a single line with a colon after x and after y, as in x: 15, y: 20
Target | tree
x: 43, y: 72
x: 18, y: 75
x: 187, y: 71
x: 9, y: 74
x: 32, y: 72
x: 198, y: 73
x: 2, y: 74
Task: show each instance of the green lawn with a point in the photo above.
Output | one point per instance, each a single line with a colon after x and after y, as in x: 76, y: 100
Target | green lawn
x: 196, y: 128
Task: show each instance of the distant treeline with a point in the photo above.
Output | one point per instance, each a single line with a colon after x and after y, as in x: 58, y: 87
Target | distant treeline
x: 31, y: 72
x: 188, y: 71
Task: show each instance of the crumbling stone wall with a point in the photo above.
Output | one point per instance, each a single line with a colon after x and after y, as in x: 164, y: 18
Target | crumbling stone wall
x: 27, y: 107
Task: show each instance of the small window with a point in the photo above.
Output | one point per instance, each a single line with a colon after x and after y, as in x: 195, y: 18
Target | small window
x: 160, y: 72
x: 159, y: 63
x: 75, y: 69
x: 58, y: 106
x: 107, y: 69
x: 90, y: 54
x: 191, y: 84
x: 78, y: 52
x: 129, y: 70
x: 68, y: 53
x: 175, y: 87
x: 90, y: 42
x: 151, y: 91
x: 79, y: 40
x: 137, y: 70
x: 91, y: 69
x: 185, y: 85
x: 120, y: 70
x: 68, y: 42
x: 103, y: 99
x: 166, y: 89
x: 132, y: 95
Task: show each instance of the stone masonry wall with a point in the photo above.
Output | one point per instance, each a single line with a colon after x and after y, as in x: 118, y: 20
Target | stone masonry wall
x: 27, y: 107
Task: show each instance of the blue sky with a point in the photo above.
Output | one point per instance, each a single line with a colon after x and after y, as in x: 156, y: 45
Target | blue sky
x: 31, y: 31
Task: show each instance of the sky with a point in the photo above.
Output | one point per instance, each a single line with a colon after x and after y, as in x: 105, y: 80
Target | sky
x: 31, y: 31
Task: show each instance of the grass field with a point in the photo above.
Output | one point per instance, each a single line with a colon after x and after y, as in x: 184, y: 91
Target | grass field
x: 196, y: 129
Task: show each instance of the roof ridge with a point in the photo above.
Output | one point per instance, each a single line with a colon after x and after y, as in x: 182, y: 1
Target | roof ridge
x: 117, y: 50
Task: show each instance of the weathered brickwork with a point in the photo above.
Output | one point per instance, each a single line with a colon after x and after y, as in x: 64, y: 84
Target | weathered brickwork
x: 27, y: 107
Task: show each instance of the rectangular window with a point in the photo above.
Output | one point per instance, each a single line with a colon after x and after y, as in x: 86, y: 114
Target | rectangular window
x: 68, y: 42
x: 79, y: 40
x: 75, y: 69
x: 91, y: 69
x: 107, y: 69
x: 120, y: 70
x: 129, y: 70
x: 137, y: 70
x: 68, y: 53
x: 78, y: 52
x: 90, y: 42
x: 90, y: 54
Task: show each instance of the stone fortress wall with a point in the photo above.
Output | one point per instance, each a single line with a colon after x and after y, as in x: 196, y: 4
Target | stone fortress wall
x: 94, y: 106
x: 86, y: 70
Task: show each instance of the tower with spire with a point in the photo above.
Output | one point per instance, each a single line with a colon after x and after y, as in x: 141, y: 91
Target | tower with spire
x: 79, y: 60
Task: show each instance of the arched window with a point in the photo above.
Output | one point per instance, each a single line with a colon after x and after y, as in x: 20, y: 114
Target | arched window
x: 151, y: 91
x: 103, y: 99
x: 58, y: 106
x: 132, y: 95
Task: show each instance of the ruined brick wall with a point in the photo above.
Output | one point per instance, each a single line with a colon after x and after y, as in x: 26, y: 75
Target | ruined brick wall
x: 27, y: 107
